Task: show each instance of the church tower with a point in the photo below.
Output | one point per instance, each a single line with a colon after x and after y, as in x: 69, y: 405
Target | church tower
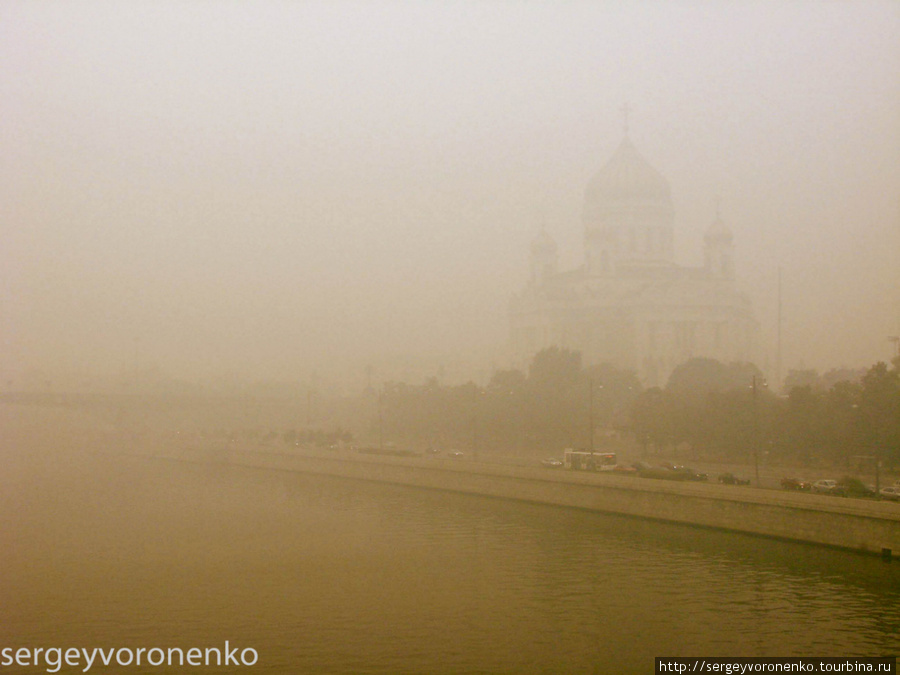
x: 543, y: 258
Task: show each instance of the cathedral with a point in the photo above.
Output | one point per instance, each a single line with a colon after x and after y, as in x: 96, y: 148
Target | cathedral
x: 629, y: 303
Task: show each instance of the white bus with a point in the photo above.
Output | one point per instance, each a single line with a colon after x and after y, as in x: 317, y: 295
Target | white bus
x: 581, y: 460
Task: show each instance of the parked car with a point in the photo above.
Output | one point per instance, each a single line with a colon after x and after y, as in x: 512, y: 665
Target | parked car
x: 552, y: 463
x: 730, y: 479
x: 825, y: 486
x: 853, y: 487
x: 892, y: 493
x: 689, y: 474
x: 628, y: 470
x: 795, y: 484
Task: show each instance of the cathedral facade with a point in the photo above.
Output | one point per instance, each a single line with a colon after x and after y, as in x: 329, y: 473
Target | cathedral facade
x: 630, y: 304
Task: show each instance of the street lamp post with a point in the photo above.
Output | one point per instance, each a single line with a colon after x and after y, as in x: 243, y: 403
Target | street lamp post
x: 380, y: 421
x: 591, y: 417
x: 756, y: 434
x: 475, y: 393
x: 877, y: 477
x: 474, y: 425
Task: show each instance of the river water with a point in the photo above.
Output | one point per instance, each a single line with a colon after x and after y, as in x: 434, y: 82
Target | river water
x: 326, y: 575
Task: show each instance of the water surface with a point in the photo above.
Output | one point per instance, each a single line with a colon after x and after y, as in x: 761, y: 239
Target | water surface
x: 327, y: 575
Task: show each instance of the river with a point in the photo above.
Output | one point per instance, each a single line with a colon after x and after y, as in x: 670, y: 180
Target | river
x: 328, y: 575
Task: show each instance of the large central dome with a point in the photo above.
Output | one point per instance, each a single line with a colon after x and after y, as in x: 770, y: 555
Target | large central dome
x: 628, y: 214
x: 627, y: 178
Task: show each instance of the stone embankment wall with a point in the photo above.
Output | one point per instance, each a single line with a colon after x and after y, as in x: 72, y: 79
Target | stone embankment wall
x: 856, y: 524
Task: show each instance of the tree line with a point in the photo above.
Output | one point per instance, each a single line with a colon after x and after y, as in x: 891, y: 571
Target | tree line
x: 708, y: 409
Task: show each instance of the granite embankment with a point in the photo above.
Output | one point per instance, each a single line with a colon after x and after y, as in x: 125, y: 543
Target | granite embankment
x: 861, y: 525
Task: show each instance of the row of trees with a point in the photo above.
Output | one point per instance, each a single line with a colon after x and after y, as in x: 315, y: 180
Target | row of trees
x: 547, y: 408
x: 707, y: 409
x: 728, y: 412
x: 259, y: 435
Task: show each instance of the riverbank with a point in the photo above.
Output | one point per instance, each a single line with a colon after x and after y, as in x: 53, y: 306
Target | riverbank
x: 859, y: 525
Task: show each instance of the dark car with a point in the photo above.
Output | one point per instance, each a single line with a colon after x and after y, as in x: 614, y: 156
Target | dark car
x: 688, y: 473
x: 853, y: 487
x: 730, y: 479
x: 794, y: 484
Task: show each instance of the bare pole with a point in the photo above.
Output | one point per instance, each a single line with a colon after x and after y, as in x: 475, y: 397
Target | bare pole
x: 474, y: 423
x: 877, y: 475
x: 591, y: 415
x: 755, y: 432
x: 380, y: 421
x: 778, y: 356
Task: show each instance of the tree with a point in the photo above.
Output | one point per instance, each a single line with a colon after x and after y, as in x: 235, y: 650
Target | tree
x: 836, y: 375
x: 840, y: 419
x: 698, y: 377
x: 694, y: 380
x: 801, y: 378
x: 879, y: 411
x: 555, y: 368
x: 509, y: 381
x: 614, y: 390
x: 803, y: 421
x: 654, y: 415
x: 556, y: 399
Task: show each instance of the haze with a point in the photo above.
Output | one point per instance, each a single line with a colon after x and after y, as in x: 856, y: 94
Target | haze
x: 272, y: 190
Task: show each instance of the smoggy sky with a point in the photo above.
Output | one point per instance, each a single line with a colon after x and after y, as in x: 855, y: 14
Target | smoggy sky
x: 268, y: 188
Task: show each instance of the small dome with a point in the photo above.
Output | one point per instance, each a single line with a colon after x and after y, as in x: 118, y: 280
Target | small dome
x: 543, y: 243
x: 718, y: 232
x: 627, y: 177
